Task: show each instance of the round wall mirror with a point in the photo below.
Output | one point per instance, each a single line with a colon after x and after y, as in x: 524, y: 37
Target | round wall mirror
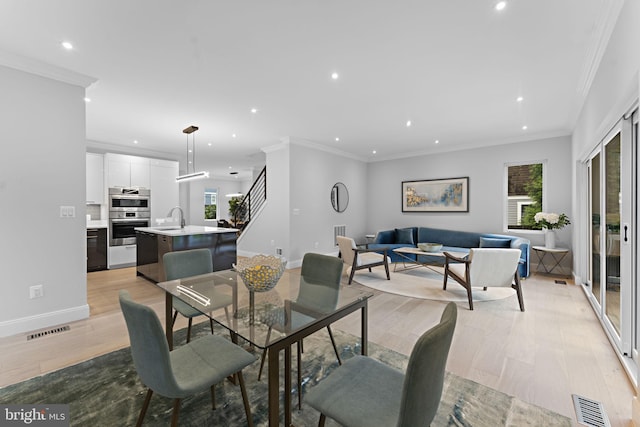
x: 339, y: 197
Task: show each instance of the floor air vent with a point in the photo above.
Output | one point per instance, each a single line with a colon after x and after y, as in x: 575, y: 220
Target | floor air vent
x: 589, y: 412
x: 48, y: 332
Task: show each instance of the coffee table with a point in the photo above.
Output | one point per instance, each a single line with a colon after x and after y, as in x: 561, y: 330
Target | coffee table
x: 410, y: 250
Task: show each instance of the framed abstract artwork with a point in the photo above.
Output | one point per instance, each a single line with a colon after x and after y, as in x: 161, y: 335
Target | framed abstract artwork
x: 436, y: 195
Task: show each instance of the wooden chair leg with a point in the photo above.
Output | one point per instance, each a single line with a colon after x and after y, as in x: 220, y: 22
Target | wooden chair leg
x: 469, y: 296
x: 353, y: 270
x: 245, y: 399
x: 518, y: 288
x: 446, y: 276
x: 175, y: 413
x: 386, y: 267
x: 145, y: 405
x: 211, y: 324
x: 333, y: 342
x: 321, y: 421
x: 189, y: 330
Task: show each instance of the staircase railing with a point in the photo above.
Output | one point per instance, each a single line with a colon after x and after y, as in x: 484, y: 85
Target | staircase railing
x: 252, y: 201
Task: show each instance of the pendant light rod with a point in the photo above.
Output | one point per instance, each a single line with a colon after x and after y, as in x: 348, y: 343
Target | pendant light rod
x: 193, y: 175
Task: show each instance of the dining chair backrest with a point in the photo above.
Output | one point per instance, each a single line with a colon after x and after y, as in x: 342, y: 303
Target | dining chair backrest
x: 492, y: 266
x: 187, y: 263
x: 149, y: 347
x: 424, y: 377
x: 320, y: 281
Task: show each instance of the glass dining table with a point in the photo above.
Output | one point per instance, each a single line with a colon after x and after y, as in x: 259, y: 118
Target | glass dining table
x: 252, y: 318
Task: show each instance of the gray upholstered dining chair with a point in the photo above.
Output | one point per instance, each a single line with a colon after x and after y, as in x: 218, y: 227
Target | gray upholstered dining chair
x: 485, y: 267
x: 357, y: 258
x: 192, y: 262
x: 364, y: 392
x: 189, y: 369
x: 319, y: 291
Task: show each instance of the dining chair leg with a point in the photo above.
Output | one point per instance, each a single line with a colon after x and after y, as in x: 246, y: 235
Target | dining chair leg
x: 189, y: 329
x: 386, y: 267
x: 213, y: 396
x: 211, y: 324
x: 245, y: 399
x: 264, y: 354
x: 333, y: 342
x: 173, y: 321
x: 468, y: 287
x: 446, y: 276
x: 321, y: 420
x: 518, y: 288
x: 145, y: 405
x: 175, y: 413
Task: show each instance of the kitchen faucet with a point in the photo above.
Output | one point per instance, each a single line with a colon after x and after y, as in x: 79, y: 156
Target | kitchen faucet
x: 182, y: 222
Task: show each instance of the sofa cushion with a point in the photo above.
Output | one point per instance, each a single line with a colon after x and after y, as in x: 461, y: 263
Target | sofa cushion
x: 494, y: 242
x: 404, y: 236
x: 460, y: 239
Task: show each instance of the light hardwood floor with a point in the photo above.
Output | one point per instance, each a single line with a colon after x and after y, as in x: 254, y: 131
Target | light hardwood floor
x: 541, y: 356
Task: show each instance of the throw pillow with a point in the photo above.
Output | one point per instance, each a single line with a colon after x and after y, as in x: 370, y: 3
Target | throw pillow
x: 494, y: 242
x: 404, y: 236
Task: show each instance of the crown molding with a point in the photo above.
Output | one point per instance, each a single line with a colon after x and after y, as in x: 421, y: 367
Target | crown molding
x: 43, y: 69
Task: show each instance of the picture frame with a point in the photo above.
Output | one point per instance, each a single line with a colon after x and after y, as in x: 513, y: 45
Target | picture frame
x: 436, y: 195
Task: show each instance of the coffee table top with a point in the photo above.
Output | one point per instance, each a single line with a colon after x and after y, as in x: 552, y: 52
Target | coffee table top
x: 418, y: 251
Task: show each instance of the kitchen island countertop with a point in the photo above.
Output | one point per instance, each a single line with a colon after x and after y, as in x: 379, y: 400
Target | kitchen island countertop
x: 188, y: 230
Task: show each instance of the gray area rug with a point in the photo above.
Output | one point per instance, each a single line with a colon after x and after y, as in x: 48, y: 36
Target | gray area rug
x: 106, y: 391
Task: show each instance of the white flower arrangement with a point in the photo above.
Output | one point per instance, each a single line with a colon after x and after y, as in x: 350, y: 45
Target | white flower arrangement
x: 551, y: 221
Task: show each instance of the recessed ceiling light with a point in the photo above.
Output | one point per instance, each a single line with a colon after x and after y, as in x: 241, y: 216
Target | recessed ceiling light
x: 254, y: 110
x: 191, y: 151
x: 87, y: 100
x: 190, y: 162
x: 408, y: 123
x: 437, y: 141
x: 67, y: 45
x: 374, y: 152
x: 230, y: 167
x: 233, y: 135
x: 337, y: 139
x: 210, y: 144
x: 524, y: 127
x: 519, y: 99
x: 501, y: 5
x: 135, y: 141
x: 334, y: 76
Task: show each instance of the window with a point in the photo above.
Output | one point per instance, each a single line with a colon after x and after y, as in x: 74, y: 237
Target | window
x: 210, y: 203
x: 524, y: 195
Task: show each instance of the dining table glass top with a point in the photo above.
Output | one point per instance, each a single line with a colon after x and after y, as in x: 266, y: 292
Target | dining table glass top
x: 271, y: 315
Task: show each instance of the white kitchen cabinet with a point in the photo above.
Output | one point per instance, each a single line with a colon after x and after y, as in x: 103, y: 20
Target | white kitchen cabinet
x: 126, y: 171
x: 122, y: 256
x: 164, y: 188
x: 95, y: 179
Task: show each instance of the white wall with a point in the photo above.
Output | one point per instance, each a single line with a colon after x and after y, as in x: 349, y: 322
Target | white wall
x: 485, y: 169
x: 298, y: 216
x: 42, y: 167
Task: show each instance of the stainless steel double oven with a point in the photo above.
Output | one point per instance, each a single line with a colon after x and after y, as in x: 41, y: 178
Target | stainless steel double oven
x: 128, y: 208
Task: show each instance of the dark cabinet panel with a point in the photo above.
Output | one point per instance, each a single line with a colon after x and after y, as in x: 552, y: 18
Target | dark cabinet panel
x: 96, y: 249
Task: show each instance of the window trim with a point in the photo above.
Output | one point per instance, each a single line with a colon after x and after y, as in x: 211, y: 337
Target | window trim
x: 505, y: 195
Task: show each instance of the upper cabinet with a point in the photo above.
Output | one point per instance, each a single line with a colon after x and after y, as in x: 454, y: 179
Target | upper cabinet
x: 127, y: 171
x: 95, y: 178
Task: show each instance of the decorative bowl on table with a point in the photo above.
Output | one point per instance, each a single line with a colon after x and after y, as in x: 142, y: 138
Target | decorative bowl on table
x: 260, y: 273
x: 430, y: 247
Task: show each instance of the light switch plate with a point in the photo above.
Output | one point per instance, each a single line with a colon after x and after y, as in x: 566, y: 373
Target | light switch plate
x: 67, y: 211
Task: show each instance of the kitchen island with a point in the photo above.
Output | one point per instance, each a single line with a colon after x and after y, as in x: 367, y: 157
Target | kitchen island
x: 154, y: 242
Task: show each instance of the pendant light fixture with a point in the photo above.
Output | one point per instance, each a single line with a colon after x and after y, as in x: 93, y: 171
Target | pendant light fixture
x: 189, y: 176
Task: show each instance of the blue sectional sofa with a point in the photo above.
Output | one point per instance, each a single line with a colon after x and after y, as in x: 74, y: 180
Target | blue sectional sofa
x: 452, y: 240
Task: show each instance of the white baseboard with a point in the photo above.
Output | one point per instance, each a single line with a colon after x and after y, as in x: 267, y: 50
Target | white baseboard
x: 43, y: 321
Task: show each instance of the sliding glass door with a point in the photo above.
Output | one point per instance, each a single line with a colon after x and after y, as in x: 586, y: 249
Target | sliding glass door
x: 611, y: 272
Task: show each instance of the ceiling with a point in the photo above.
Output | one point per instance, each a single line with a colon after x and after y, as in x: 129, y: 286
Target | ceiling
x: 454, y: 68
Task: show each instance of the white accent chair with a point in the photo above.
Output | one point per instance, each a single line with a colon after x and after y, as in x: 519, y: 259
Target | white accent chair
x: 485, y: 267
x: 357, y: 258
